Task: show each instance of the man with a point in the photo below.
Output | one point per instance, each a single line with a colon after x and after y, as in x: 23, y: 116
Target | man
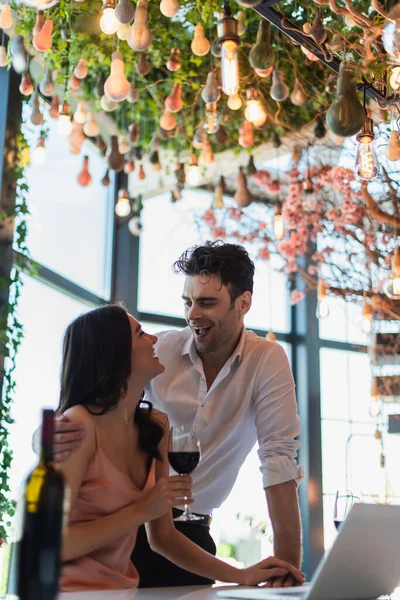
x: 234, y: 388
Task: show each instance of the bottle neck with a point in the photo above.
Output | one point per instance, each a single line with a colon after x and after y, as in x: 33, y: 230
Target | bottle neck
x: 46, y: 454
x: 46, y: 446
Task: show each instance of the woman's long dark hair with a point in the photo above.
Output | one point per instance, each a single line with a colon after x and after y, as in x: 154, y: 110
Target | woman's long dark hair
x: 96, y: 366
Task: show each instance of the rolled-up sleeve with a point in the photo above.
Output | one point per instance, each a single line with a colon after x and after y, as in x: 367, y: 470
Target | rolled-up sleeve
x: 277, y: 421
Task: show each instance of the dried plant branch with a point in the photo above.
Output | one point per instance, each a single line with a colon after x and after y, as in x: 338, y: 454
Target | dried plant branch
x: 377, y: 212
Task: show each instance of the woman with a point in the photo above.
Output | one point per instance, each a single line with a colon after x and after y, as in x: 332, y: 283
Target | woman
x: 119, y: 476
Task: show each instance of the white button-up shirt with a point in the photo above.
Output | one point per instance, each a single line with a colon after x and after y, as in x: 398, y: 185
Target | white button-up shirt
x: 251, y: 399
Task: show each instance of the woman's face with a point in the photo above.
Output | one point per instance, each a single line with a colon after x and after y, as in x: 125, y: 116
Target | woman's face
x: 145, y: 363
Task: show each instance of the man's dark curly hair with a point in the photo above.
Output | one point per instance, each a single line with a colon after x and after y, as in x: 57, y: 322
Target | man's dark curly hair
x: 230, y: 261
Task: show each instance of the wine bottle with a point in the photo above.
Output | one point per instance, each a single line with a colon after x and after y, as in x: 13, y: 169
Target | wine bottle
x: 42, y: 523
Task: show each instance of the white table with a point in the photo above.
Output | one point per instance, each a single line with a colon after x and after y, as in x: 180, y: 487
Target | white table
x: 172, y: 593
x: 194, y: 592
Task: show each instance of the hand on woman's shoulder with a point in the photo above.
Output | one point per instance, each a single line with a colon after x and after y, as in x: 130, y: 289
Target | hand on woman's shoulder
x: 79, y: 414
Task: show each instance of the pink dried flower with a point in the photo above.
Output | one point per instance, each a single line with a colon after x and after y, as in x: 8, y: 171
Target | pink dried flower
x: 264, y: 253
x: 296, y: 296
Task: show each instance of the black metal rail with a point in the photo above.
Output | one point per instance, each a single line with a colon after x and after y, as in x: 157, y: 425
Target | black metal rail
x: 299, y: 37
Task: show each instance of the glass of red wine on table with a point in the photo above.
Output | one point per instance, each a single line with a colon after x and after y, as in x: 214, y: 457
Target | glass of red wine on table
x: 344, y: 500
x: 184, y: 456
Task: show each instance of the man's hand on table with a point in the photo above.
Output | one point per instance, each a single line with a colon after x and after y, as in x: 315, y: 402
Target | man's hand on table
x: 67, y: 437
x: 274, y: 571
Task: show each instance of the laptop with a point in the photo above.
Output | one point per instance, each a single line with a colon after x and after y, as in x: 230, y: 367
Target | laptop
x: 363, y: 563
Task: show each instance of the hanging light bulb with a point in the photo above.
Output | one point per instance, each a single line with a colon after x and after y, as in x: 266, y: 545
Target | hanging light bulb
x: 64, y: 124
x: 234, y: 102
x: 367, y: 166
x: 91, y: 128
x: 6, y: 19
x: 123, y: 206
x: 254, y: 112
x: 211, y: 121
x: 228, y: 41
x: 393, y: 148
x: 374, y: 408
x: 117, y: 87
x: 123, y: 31
x: 279, y: 227
x: 367, y: 316
x: 80, y: 115
x: 322, y: 305
x: 391, y: 286
x: 108, y: 22
x: 200, y: 45
x: 271, y: 337
x: 39, y: 153
x: 193, y: 174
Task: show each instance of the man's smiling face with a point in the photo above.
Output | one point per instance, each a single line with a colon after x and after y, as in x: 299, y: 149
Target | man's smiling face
x: 215, y: 319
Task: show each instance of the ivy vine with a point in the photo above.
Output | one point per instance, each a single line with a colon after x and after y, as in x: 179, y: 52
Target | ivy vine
x: 11, y: 329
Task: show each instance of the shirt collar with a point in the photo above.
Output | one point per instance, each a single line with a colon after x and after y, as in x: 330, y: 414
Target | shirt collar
x: 189, y: 347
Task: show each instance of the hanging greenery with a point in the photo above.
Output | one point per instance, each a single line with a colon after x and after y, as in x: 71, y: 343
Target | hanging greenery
x: 11, y: 330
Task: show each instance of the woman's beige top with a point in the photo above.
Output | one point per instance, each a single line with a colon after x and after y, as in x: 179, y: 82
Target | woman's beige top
x: 104, y: 490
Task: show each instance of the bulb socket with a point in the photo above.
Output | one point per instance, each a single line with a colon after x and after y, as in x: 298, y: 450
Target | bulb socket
x: 123, y: 193
x: 366, y: 134
x: 109, y: 4
x: 227, y: 27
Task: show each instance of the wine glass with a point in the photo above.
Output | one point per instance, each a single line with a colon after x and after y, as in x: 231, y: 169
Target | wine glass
x: 344, y: 500
x: 184, y: 456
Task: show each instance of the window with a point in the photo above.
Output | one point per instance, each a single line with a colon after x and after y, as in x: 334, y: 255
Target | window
x: 70, y: 227
x: 45, y: 312
x: 353, y: 442
x: 344, y: 322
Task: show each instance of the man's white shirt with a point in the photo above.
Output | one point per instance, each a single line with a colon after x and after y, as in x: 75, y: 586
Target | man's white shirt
x: 251, y: 399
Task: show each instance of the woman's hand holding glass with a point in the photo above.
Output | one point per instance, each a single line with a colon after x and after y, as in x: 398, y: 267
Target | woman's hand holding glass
x: 184, y: 456
x: 168, y: 492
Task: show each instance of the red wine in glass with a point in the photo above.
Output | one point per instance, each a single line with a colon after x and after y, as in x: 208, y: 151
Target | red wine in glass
x: 344, y: 500
x: 337, y: 523
x: 184, y: 462
x: 184, y: 456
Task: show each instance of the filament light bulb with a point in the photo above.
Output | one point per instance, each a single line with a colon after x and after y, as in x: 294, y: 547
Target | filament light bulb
x: 322, y: 310
x: 108, y: 22
x: 228, y: 40
x: 39, y: 153
x: 229, y: 68
x: 123, y: 206
x: 367, y: 166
